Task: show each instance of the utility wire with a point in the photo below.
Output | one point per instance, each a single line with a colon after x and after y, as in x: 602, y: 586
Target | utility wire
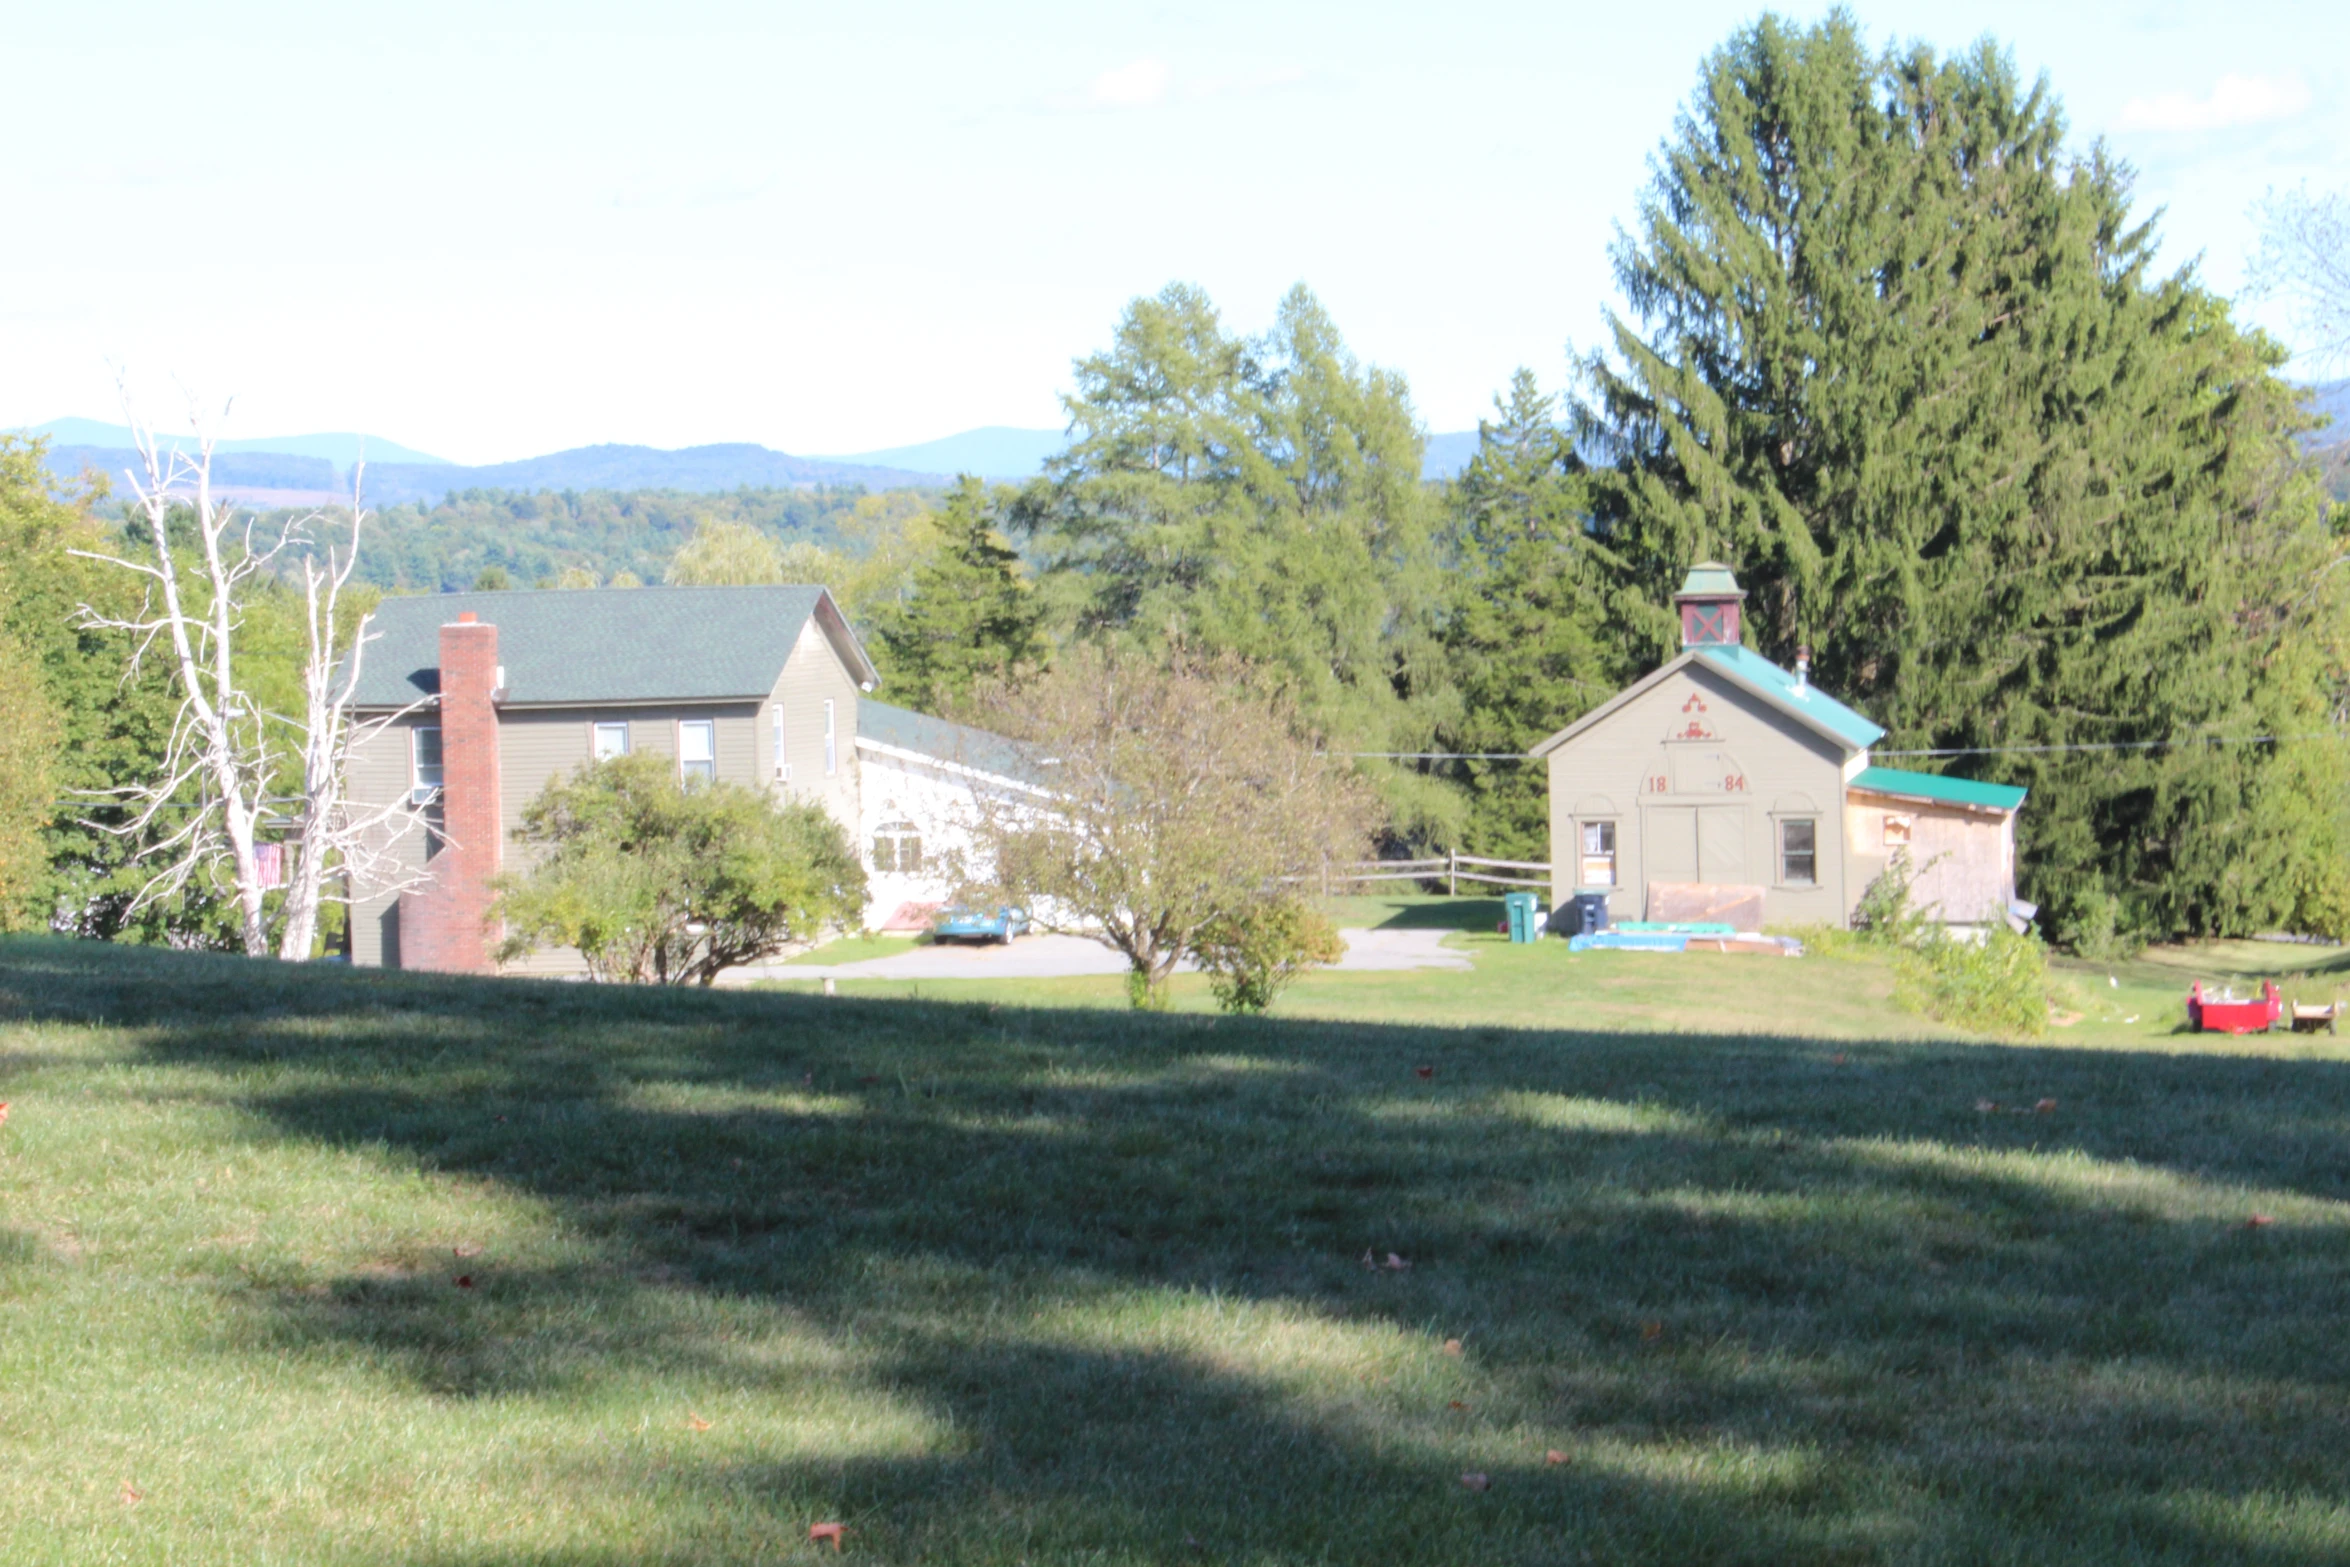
x: 1954, y: 750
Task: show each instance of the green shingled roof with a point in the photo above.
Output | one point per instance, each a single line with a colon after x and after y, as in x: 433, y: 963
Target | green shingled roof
x: 1933, y: 786
x: 1778, y: 687
x: 1710, y: 579
x: 907, y: 730
x: 600, y: 645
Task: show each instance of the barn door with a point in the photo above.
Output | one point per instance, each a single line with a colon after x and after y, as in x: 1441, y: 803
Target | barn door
x: 1721, y: 846
x: 1668, y: 843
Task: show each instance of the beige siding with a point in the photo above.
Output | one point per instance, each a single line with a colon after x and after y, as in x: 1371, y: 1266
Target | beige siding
x: 813, y: 675
x: 380, y: 773
x: 1698, y: 777
x: 538, y: 746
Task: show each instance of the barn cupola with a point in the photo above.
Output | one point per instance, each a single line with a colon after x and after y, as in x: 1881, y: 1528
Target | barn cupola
x: 1710, y: 602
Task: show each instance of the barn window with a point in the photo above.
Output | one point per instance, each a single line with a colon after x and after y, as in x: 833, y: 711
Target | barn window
x: 697, y: 748
x: 611, y: 740
x: 1896, y: 831
x: 1799, y: 853
x: 897, y: 846
x: 1598, y: 865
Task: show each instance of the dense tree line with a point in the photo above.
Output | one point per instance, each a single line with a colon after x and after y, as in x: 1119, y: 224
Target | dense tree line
x: 532, y: 540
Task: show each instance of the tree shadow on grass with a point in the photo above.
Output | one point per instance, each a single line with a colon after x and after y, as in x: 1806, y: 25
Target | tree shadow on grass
x: 1774, y: 1303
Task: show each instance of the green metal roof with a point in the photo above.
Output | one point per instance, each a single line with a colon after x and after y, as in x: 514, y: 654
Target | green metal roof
x: 599, y: 645
x: 950, y: 742
x: 1711, y: 579
x: 1778, y: 687
x: 1933, y: 786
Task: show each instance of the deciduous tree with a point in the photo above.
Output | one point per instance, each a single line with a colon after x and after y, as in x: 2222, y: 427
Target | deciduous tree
x: 1260, y: 497
x: 658, y: 882
x: 1185, y: 794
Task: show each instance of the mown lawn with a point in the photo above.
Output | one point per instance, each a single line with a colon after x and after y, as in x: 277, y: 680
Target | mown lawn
x: 315, y: 1266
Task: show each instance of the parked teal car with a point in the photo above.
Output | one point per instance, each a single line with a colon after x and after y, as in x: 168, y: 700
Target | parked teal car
x: 965, y: 924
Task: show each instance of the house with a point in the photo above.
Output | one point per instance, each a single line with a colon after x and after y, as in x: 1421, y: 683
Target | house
x: 1723, y: 784
x: 507, y: 692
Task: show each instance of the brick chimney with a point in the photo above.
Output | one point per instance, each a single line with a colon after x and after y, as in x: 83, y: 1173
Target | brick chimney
x: 446, y: 924
x: 1711, y: 605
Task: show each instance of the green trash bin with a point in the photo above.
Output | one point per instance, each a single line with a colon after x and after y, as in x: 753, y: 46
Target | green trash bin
x: 1520, y: 906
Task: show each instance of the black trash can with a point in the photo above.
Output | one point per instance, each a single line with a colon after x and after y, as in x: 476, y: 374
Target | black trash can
x: 1590, y: 916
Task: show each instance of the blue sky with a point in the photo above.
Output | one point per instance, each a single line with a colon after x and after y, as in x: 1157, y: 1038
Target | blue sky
x: 492, y: 230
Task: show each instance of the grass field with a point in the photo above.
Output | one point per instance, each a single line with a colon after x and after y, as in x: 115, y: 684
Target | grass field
x: 299, y: 1265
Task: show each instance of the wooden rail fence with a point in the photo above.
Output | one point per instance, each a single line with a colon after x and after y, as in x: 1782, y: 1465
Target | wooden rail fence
x: 1451, y: 868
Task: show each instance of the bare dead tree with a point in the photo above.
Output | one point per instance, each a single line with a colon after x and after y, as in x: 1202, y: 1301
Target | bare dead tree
x: 353, y: 838
x: 202, y: 814
x: 2304, y: 259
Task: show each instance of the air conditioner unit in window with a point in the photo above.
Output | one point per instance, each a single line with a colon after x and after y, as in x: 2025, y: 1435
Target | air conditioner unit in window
x: 425, y: 794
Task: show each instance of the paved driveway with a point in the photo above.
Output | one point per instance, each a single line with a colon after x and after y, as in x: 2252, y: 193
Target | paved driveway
x: 1056, y: 957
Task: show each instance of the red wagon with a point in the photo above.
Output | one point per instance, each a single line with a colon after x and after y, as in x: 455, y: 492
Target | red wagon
x: 2227, y: 1013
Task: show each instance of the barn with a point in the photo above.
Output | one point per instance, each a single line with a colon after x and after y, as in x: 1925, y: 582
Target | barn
x: 1724, y: 786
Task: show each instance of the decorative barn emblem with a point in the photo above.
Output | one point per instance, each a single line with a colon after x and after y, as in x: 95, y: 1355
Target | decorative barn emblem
x: 1698, y: 726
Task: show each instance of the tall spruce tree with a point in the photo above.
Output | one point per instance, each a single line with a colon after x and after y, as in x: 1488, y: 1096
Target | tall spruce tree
x: 1904, y: 361
x: 970, y: 614
x: 1258, y: 497
x: 1529, y: 627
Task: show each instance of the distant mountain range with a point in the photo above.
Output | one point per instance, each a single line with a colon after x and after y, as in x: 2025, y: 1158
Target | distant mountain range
x: 296, y: 470
x: 341, y: 450
x: 305, y: 469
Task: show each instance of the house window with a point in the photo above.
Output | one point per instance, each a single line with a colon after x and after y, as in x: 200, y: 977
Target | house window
x: 1799, y: 853
x: 897, y: 846
x: 697, y: 748
x: 831, y: 744
x: 1598, y: 866
x: 1896, y: 831
x: 424, y: 762
x: 782, y: 757
x: 611, y: 740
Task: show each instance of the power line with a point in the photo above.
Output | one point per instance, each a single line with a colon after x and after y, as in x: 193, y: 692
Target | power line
x: 1953, y: 750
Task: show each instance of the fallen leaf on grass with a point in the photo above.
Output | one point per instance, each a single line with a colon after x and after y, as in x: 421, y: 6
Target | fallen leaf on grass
x: 1987, y: 1106
x: 1836, y: 1059
x: 1650, y: 1332
x: 1476, y: 1482
x: 465, y: 1281
x: 1395, y: 1264
x: 694, y: 1422
x: 467, y: 1249
x: 1554, y: 1456
x: 1452, y: 1347
x: 827, y: 1531
x: 1456, y: 1404
x: 132, y: 1496
x: 2259, y: 1221
x: 1423, y: 1072
x: 3, y: 1112
x: 2043, y: 1107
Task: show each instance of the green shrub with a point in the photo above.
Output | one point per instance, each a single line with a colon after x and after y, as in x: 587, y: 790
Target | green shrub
x: 1998, y: 985
x: 2092, y: 928
x: 1252, y: 955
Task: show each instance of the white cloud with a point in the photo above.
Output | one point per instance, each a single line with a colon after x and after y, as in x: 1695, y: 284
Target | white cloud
x: 2235, y: 100
x: 1132, y: 86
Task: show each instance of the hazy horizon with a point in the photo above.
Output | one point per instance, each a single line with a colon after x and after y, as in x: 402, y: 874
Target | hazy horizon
x: 841, y: 234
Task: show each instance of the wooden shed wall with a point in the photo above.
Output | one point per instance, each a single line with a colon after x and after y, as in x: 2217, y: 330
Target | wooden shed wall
x: 1963, y: 861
